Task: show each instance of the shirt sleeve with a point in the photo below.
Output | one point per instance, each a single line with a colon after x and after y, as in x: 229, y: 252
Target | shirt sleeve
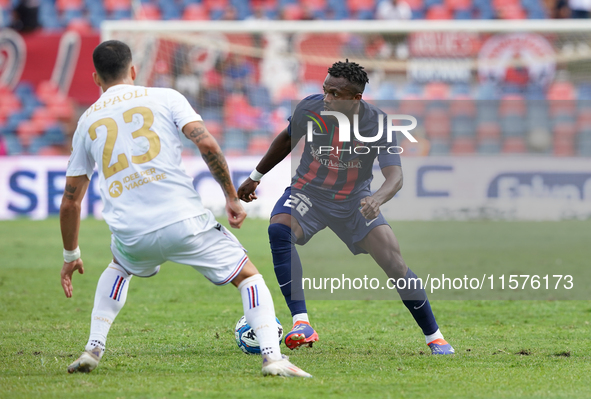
x: 385, y: 158
x: 81, y: 162
x: 182, y: 112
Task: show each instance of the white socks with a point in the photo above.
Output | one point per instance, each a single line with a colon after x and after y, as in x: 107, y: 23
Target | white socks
x: 301, y: 317
x: 260, y: 314
x: 111, y: 293
x: 436, y: 335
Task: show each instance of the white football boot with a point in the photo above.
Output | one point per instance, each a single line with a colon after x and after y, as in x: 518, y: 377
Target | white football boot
x: 87, y: 361
x: 283, y: 368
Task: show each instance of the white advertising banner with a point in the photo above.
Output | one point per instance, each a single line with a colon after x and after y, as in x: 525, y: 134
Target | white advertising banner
x: 435, y: 188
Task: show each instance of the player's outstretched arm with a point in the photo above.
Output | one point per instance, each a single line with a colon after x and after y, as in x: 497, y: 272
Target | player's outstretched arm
x: 74, y: 192
x: 279, y: 149
x: 216, y: 162
x: 370, y: 206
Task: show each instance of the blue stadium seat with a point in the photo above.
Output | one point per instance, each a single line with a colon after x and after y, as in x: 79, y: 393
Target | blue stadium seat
x: 439, y: 147
x: 584, y: 91
x: 487, y: 111
x: 535, y: 92
x: 169, y: 10
x: 54, y: 135
x: 513, y: 126
x: 37, y: 144
x: 429, y: 3
x: 24, y: 90
x: 489, y: 147
x: 460, y: 89
x: 365, y: 15
x: 119, y: 14
x: 216, y: 14
x: 386, y: 91
x: 242, y: 8
x: 487, y: 91
x: 13, y: 146
x: 212, y: 114
x: 339, y: 10
x: 463, y: 126
x: 5, y: 18
x: 258, y: 96
x: 532, y: 5
x: 584, y: 143
x: 417, y: 14
x: 463, y: 14
x: 235, y: 139
x: 48, y: 17
x: 96, y: 19
x: 71, y: 14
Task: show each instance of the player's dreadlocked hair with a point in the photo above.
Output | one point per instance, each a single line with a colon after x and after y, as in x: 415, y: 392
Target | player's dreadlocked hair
x: 351, y: 71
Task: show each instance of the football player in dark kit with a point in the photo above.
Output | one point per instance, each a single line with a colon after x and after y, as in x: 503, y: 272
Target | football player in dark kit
x: 331, y: 188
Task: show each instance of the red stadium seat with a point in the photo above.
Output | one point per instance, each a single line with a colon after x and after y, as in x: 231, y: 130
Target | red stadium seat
x: 412, y: 104
x: 462, y: 106
x: 565, y: 130
x: 512, y: 12
x: 42, y: 118
x: 148, y: 12
x: 259, y: 145
x: 512, y: 104
x: 488, y: 131
x: 215, y: 129
x: 436, y: 91
x: 463, y: 145
x: 26, y: 132
x: 514, y: 145
x: 62, y: 108
x: 437, y: 124
x: 111, y: 5
x: 439, y: 12
x: 561, y: 91
x: 81, y: 26
x: 564, y: 146
x: 46, y: 91
x: 292, y: 12
x: 355, y: 6
x: 415, y: 4
x: 52, y: 150
x: 62, y: 5
x: 458, y: 4
x: 195, y: 12
x: 9, y: 102
x: 314, y: 4
x: 499, y: 4
x: 216, y: 4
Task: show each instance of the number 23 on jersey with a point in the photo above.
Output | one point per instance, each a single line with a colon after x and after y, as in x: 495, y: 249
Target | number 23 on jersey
x: 112, y: 132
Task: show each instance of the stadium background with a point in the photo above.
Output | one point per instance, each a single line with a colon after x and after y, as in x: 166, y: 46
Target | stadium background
x: 502, y: 93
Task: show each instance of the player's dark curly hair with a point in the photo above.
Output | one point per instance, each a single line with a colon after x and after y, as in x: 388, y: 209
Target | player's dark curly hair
x: 351, y: 71
x: 111, y: 60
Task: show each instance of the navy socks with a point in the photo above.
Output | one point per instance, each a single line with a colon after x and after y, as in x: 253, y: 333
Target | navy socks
x: 288, y: 267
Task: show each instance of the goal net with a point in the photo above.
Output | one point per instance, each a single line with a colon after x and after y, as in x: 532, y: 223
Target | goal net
x: 476, y: 87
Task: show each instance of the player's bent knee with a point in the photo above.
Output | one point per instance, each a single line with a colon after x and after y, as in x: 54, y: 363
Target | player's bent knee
x: 280, y: 235
x: 248, y: 270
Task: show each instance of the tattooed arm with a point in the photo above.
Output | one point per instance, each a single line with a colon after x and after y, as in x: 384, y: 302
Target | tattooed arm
x: 216, y: 162
x: 76, y: 187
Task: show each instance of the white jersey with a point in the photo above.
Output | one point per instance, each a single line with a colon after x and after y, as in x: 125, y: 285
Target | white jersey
x: 132, y: 134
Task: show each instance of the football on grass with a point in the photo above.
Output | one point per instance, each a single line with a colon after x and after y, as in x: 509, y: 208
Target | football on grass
x: 247, y: 339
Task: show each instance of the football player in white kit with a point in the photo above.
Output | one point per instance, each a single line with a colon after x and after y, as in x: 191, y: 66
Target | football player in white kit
x: 152, y: 209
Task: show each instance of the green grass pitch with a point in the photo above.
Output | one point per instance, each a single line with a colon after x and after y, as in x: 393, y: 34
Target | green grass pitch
x: 174, y: 338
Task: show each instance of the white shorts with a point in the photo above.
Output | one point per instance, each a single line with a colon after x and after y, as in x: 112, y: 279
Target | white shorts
x: 200, y: 242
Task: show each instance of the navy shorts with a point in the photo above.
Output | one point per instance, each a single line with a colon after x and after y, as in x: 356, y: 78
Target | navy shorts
x: 314, y: 214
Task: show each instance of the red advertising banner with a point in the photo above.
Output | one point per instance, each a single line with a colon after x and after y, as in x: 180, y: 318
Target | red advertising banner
x: 62, y: 57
